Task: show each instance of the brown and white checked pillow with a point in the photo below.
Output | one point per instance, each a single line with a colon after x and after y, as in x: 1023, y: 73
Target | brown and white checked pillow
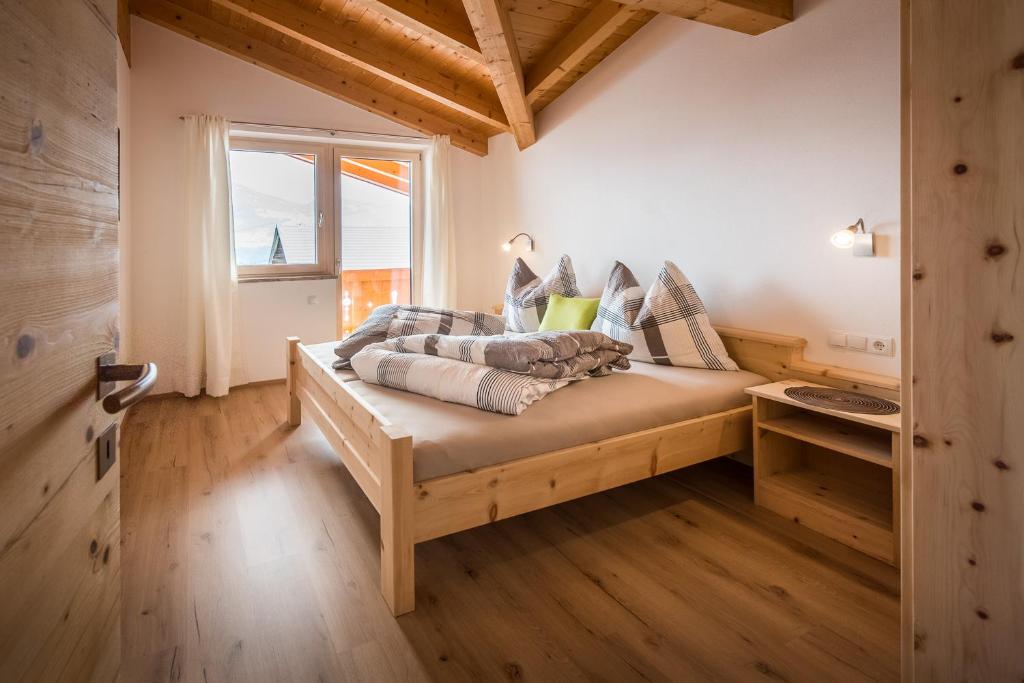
x: 668, y: 325
x: 526, y: 296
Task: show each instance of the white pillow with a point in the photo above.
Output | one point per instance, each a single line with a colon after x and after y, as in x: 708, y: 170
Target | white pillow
x: 668, y: 325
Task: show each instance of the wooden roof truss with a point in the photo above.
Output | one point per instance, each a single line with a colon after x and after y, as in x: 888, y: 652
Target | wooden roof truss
x: 469, y: 69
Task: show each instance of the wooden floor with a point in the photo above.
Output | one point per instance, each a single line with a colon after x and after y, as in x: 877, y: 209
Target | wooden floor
x: 251, y: 555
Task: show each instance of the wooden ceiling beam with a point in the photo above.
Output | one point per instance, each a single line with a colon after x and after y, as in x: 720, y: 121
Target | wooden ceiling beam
x: 746, y: 16
x: 449, y: 29
x: 367, y: 52
x: 334, y: 82
x: 596, y: 27
x: 493, y: 30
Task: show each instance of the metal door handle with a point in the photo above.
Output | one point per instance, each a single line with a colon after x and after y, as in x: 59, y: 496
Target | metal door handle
x: 107, y: 373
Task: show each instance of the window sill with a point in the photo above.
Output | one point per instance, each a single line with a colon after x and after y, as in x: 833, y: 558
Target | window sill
x: 284, y: 278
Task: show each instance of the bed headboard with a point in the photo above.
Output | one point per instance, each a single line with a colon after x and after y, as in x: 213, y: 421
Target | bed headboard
x: 779, y: 356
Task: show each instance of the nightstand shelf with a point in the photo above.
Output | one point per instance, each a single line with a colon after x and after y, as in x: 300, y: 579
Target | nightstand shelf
x: 834, y: 472
x: 833, y: 433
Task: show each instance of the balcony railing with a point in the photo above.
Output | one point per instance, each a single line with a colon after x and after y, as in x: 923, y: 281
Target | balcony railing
x: 364, y: 290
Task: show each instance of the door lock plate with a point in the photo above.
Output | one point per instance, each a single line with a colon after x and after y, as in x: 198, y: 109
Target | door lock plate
x: 106, y: 450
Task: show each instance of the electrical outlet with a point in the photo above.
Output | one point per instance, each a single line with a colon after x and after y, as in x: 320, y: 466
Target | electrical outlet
x: 837, y: 338
x: 883, y: 346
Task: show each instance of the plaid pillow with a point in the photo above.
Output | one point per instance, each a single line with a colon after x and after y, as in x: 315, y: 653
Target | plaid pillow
x: 667, y: 326
x: 526, y: 296
x: 397, y: 320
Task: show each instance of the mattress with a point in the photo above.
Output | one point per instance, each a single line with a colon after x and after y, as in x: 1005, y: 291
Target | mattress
x: 324, y: 355
x: 450, y: 438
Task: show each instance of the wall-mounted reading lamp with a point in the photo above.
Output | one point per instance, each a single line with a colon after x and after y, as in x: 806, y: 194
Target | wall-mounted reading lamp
x: 856, y: 236
x: 507, y: 246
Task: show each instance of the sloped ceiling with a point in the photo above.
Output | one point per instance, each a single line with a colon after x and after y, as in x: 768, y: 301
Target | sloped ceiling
x: 469, y: 69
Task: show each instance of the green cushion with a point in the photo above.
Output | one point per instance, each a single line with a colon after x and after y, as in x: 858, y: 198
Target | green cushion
x: 565, y: 313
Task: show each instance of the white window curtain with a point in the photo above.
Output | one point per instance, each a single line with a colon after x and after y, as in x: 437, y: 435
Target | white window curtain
x: 439, y: 230
x: 210, y: 283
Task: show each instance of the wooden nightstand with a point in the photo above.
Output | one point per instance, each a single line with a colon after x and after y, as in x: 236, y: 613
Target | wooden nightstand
x: 829, y: 470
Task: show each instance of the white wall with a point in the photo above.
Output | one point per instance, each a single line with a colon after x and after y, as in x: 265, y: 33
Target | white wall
x: 734, y: 156
x: 124, y: 223
x: 172, y: 75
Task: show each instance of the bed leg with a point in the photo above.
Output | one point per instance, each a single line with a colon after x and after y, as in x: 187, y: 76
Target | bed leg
x: 397, y: 571
x: 292, y: 367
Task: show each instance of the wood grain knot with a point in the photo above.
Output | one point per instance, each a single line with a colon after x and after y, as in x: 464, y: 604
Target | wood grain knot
x: 93, y: 547
x: 1018, y: 61
x: 971, y: 561
x: 994, y: 250
x: 982, y: 614
x: 25, y: 345
x: 35, y: 138
x: 958, y: 99
x: 106, y: 555
x: 1002, y: 337
x: 920, y: 441
x: 918, y: 275
x: 493, y: 512
x: 977, y: 506
x: 1001, y: 464
x: 90, y: 434
x: 960, y: 169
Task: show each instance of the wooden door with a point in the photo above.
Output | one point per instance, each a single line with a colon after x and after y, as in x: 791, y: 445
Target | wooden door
x: 60, y: 587
x: 963, y: 285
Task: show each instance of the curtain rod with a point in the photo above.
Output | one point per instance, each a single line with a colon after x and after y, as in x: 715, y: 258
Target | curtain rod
x: 331, y: 131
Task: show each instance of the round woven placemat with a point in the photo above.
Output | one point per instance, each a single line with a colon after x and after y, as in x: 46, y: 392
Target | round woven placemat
x: 837, y: 399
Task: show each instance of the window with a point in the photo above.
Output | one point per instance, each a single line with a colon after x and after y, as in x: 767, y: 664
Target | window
x: 280, y: 196
x: 313, y: 209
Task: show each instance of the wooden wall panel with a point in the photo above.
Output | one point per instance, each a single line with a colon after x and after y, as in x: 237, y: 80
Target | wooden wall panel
x: 964, y: 317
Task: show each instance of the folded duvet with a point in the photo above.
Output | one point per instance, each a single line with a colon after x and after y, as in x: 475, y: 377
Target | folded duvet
x: 499, y: 374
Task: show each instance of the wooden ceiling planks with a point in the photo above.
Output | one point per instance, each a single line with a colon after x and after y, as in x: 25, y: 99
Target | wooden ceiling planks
x: 341, y: 81
x: 372, y: 53
x: 746, y: 16
x: 469, y: 69
x: 582, y: 39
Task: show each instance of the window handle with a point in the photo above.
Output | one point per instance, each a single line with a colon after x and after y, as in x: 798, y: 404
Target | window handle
x: 320, y: 220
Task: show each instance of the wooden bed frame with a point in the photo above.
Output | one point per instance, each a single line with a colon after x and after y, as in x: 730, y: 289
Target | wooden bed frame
x: 378, y: 454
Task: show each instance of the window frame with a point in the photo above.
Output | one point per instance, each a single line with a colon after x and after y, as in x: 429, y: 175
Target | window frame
x: 417, y: 202
x: 326, y: 248
x: 328, y: 196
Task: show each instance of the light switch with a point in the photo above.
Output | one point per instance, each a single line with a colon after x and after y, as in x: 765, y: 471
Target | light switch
x: 837, y: 338
x: 856, y: 342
